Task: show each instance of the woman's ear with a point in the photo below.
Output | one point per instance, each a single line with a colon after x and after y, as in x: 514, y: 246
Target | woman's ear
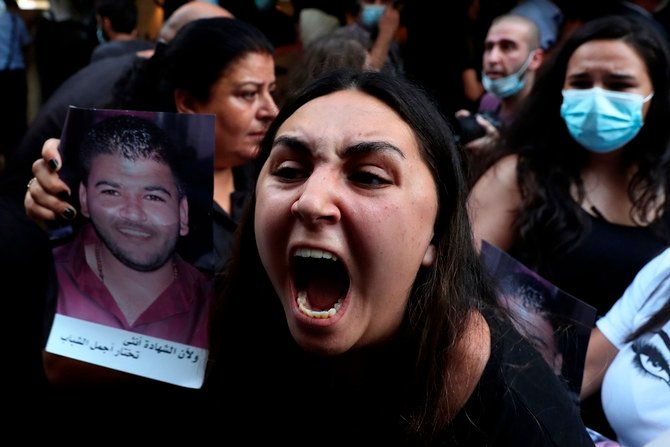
x: 185, y: 102
x: 429, y: 256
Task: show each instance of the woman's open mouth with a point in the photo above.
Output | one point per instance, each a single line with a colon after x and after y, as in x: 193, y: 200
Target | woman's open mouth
x: 321, y: 281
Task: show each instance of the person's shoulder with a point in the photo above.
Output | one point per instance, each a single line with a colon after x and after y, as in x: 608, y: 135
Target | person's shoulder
x: 475, y: 343
x: 86, y: 86
x: 196, y: 287
x: 509, y: 347
x: 520, y: 384
x: 660, y: 264
x: 192, y: 274
x: 65, y: 250
x: 354, y: 30
x: 651, y: 280
x: 507, y: 163
x: 472, y: 352
x: 117, y: 48
x: 494, y: 201
x: 503, y: 171
x: 650, y: 286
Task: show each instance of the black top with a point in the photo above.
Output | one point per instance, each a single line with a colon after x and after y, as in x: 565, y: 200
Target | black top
x: 518, y: 401
x: 224, y: 224
x: 600, y: 268
x: 120, y: 47
x: 597, y: 271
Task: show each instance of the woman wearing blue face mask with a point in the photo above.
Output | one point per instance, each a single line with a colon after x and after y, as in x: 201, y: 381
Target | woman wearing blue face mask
x: 580, y: 193
x: 371, y: 13
x: 374, y: 23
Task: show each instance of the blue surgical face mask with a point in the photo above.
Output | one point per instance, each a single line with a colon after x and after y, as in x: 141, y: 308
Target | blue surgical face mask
x: 602, y: 120
x: 509, y: 85
x: 265, y: 5
x: 371, y: 14
x: 100, y: 34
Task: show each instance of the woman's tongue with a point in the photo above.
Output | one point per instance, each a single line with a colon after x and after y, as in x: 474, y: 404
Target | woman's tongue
x: 323, y: 291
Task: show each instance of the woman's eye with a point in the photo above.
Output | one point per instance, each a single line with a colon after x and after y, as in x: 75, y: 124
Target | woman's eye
x: 288, y: 173
x: 368, y: 178
x: 580, y: 85
x: 618, y: 87
x: 250, y: 96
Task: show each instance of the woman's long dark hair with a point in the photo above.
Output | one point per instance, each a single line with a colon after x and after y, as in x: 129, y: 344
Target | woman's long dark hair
x: 441, y: 299
x: 550, y: 161
x: 193, y: 61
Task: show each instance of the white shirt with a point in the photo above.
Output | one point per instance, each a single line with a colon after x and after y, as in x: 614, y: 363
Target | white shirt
x: 636, y: 387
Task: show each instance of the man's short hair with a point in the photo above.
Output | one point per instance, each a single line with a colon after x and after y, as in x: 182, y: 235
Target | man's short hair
x: 121, y: 13
x: 533, y: 40
x: 530, y: 292
x: 133, y: 138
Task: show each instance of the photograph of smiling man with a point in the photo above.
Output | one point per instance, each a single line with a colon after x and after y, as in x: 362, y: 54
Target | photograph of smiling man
x: 121, y: 267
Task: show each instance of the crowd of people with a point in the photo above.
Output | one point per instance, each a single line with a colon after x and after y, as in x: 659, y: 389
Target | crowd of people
x: 349, y: 205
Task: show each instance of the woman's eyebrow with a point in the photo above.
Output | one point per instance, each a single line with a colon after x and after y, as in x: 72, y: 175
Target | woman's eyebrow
x: 362, y: 148
x: 620, y: 77
x: 579, y: 76
x: 293, y: 143
x: 367, y: 147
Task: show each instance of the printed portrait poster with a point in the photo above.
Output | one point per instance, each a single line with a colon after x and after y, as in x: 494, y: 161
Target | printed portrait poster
x: 557, y: 324
x: 132, y: 292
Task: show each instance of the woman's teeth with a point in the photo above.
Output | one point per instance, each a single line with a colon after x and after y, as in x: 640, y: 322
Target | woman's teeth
x: 303, y: 305
x: 314, y: 253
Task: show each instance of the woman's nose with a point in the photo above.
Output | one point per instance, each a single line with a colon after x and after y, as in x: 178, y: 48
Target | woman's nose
x: 268, y: 108
x: 318, y: 201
